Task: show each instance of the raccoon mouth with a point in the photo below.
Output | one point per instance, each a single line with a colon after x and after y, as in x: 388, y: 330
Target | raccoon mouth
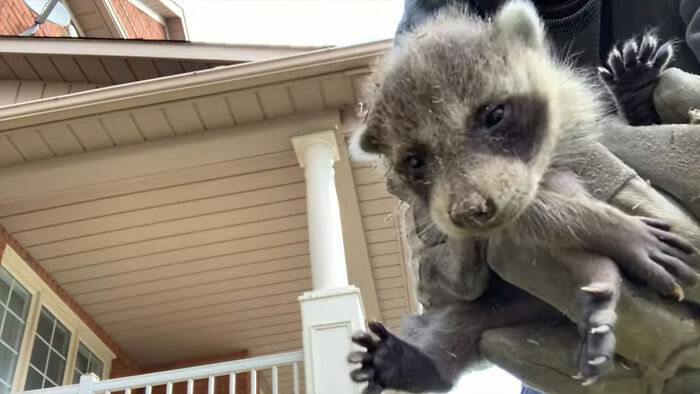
x: 472, y: 227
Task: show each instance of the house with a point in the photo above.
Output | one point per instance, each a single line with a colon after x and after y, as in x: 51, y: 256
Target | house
x: 183, y: 217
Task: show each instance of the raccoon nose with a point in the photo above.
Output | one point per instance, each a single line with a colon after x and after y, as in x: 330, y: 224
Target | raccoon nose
x: 473, y: 211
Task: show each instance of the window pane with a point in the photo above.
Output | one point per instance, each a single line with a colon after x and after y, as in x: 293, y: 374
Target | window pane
x: 40, y: 354
x: 86, y: 362
x: 19, y: 301
x: 45, y: 326
x: 4, y: 389
x: 61, y: 339
x: 14, y: 306
x: 56, y: 348
x: 12, y: 331
x: 5, y: 283
x: 34, y: 380
x: 81, y: 363
x: 56, y: 367
x: 96, y: 367
x: 7, y: 364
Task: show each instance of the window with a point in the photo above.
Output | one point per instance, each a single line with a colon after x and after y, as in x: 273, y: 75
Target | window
x: 86, y: 362
x: 14, y: 308
x: 43, y: 342
x: 47, y: 364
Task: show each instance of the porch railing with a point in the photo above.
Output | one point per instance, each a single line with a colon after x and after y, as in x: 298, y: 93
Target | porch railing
x: 163, y: 382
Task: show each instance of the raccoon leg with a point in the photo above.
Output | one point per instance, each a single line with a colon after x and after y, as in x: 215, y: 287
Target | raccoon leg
x: 631, y: 74
x: 442, y: 343
x: 645, y: 248
x: 389, y: 362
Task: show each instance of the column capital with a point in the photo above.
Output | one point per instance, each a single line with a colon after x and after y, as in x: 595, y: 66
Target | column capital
x: 327, y: 138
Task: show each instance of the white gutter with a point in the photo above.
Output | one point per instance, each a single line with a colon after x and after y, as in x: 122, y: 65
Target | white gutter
x: 189, y: 85
x: 151, y: 49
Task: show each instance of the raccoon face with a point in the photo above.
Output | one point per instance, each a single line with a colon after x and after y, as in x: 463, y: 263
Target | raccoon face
x: 461, y: 121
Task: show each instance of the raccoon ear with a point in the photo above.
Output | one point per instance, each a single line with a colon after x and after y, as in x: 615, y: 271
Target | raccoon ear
x: 519, y: 18
x: 366, y: 144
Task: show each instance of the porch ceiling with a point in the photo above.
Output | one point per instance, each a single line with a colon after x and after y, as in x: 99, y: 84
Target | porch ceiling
x: 180, y: 226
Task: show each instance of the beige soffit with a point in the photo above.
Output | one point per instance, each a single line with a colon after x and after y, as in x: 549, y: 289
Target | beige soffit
x: 153, y: 49
x: 194, y: 84
x: 97, y: 18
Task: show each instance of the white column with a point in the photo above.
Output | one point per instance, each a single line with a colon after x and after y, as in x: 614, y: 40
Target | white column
x: 333, y: 310
x: 316, y: 154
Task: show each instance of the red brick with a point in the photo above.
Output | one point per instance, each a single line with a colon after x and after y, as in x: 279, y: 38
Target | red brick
x: 137, y: 23
x: 18, y: 17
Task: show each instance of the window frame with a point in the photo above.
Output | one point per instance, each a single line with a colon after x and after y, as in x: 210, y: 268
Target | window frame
x: 44, y: 296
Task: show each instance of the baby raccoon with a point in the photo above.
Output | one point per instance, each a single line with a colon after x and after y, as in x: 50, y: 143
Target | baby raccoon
x: 480, y: 126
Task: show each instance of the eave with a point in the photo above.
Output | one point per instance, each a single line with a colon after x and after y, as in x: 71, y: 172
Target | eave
x: 193, y: 84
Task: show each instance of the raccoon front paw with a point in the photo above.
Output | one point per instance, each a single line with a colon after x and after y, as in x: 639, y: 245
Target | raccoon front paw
x: 597, y: 319
x: 631, y: 74
x: 651, y: 252
x: 390, y: 363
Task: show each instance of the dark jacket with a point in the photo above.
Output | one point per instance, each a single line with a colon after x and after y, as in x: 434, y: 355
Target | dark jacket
x: 589, y: 28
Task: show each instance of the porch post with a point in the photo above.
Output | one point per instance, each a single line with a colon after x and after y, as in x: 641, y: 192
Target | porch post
x: 333, y: 310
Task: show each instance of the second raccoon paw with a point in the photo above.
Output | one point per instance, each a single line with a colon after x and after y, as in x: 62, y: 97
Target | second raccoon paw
x: 631, y: 73
x: 597, y: 303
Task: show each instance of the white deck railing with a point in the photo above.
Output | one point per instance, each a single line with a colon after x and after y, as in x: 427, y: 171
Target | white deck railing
x: 89, y: 384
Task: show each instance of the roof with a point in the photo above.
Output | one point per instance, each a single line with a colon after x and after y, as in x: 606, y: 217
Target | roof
x: 155, y: 49
x: 190, y: 84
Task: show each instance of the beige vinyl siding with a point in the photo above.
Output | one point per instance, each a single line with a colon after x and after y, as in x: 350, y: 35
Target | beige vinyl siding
x: 223, y: 251
x: 377, y: 207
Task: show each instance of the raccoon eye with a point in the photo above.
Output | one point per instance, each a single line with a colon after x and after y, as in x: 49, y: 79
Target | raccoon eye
x: 415, y: 162
x: 494, y: 116
x: 414, y: 166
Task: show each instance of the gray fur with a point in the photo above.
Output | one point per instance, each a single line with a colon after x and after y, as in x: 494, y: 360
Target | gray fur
x: 490, y: 185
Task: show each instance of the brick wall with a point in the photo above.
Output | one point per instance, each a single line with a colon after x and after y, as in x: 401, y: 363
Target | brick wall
x: 15, y: 18
x: 123, y: 359
x: 136, y: 22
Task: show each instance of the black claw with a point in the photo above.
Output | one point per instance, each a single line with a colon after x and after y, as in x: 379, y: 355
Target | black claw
x: 606, y: 75
x: 365, y: 340
x: 629, y: 53
x: 379, y: 329
x: 359, y: 357
x: 615, y: 62
x: 663, y: 55
x: 361, y: 375
x: 647, y: 48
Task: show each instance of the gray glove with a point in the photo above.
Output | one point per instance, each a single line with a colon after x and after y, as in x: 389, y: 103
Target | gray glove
x: 660, y: 340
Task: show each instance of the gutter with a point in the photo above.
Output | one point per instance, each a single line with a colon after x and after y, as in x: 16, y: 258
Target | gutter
x: 190, y: 85
x: 149, y: 49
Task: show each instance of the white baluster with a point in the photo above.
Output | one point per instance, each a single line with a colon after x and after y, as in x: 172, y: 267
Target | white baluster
x: 210, y: 389
x: 274, y: 380
x: 149, y: 388
x: 295, y: 372
x: 87, y: 384
x: 127, y: 390
x: 190, y: 386
x: 169, y: 388
x: 253, y: 382
x: 232, y: 383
